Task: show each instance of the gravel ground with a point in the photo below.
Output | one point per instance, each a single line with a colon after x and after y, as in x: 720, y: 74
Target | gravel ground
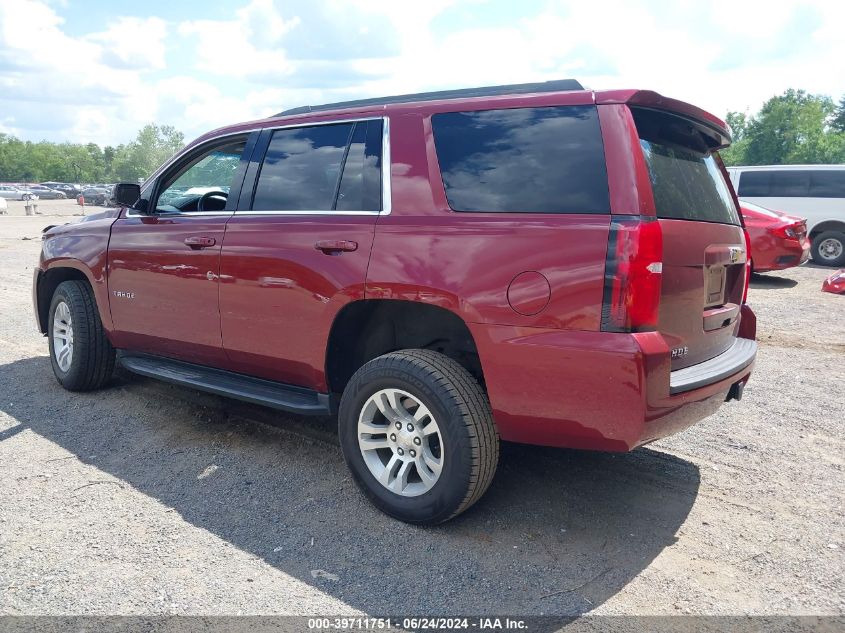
x: 150, y: 499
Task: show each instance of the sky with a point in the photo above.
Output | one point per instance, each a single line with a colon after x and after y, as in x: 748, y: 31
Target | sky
x: 97, y: 71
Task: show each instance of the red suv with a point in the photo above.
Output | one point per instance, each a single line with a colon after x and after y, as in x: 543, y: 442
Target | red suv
x: 535, y: 263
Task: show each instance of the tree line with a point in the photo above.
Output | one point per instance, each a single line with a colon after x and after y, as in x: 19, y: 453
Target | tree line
x: 26, y: 161
x: 792, y: 128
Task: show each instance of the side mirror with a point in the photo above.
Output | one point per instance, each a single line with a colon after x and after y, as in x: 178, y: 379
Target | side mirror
x: 126, y: 194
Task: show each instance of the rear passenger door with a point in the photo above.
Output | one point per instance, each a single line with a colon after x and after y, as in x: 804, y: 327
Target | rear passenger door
x: 297, y: 248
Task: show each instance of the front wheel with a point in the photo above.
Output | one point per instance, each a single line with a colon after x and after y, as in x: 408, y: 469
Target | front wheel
x: 828, y: 248
x: 81, y: 355
x: 417, y: 433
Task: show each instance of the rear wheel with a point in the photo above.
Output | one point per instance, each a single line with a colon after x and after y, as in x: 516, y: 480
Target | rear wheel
x: 417, y: 433
x: 828, y: 248
x: 81, y: 355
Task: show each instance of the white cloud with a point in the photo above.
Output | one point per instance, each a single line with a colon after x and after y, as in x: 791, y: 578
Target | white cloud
x: 135, y: 43
x: 271, y: 55
x: 56, y: 86
x: 205, y: 105
x: 248, y: 45
x: 85, y: 89
x: 32, y: 39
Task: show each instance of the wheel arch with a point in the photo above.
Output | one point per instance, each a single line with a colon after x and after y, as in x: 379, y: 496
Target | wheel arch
x: 827, y: 225
x: 368, y: 328
x: 48, y: 280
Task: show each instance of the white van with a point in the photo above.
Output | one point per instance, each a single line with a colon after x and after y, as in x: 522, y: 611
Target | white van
x: 815, y: 192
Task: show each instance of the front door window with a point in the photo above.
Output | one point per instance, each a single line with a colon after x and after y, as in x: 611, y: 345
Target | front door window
x: 204, y: 183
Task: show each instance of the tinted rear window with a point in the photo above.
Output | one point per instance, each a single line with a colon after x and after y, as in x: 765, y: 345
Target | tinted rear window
x: 685, y: 179
x: 793, y: 183
x: 529, y: 160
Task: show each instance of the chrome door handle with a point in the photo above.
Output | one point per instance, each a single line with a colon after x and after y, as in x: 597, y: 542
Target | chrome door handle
x: 336, y: 247
x: 196, y: 242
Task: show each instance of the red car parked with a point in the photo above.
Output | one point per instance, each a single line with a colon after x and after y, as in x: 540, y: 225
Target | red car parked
x: 538, y: 263
x: 778, y: 240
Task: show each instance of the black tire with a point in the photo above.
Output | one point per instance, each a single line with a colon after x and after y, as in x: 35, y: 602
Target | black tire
x: 93, y: 357
x: 837, y: 236
x: 462, y: 410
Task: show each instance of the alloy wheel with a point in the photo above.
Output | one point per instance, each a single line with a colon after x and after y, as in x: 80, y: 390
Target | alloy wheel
x: 400, y: 442
x: 63, y: 336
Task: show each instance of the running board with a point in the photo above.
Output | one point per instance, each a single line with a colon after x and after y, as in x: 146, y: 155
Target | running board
x: 225, y: 383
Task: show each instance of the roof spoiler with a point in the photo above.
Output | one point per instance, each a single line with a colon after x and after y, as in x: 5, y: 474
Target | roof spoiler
x: 557, y: 85
x: 717, y: 129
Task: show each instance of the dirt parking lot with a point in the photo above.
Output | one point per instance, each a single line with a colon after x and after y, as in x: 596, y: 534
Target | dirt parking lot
x: 149, y: 499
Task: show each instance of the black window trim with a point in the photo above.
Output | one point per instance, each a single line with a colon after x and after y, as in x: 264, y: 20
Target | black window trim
x: 251, y: 180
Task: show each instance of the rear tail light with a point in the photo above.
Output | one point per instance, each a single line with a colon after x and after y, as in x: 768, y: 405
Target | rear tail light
x: 789, y: 231
x: 632, y: 275
x: 747, y: 265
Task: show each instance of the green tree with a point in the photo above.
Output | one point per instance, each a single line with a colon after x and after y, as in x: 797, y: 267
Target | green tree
x: 735, y: 154
x: 108, y: 161
x: 152, y: 147
x: 793, y: 128
x: 738, y: 122
x: 838, y: 122
x: 26, y: 161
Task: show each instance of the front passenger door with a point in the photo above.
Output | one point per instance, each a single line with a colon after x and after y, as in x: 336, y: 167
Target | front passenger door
x: 164, y: 263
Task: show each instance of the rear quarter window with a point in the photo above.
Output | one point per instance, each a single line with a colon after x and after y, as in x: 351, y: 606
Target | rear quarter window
x: 827, y: 183
x: 523, y: 160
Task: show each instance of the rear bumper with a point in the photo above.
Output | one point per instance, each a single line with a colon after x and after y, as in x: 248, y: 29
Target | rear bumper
x: 741, y: 354
x: 786, y: 254
x: 601, y: 390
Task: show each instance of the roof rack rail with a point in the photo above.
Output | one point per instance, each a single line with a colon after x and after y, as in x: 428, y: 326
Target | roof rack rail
x: 556, y: 85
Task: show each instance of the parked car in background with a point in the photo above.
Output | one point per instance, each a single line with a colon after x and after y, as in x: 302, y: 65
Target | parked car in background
x: 440, y: 270
x: 778, y: 240
x: 11, y: 192
x: 3, y: 206
x: 815, y: 192
x: 94, y: 196
x: 45, y: 193
x: 835, y: 283
x: 70, y: 190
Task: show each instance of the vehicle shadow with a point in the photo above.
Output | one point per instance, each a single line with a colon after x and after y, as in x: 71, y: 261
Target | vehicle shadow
x: 559, y: 532
x: 770, y: 282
